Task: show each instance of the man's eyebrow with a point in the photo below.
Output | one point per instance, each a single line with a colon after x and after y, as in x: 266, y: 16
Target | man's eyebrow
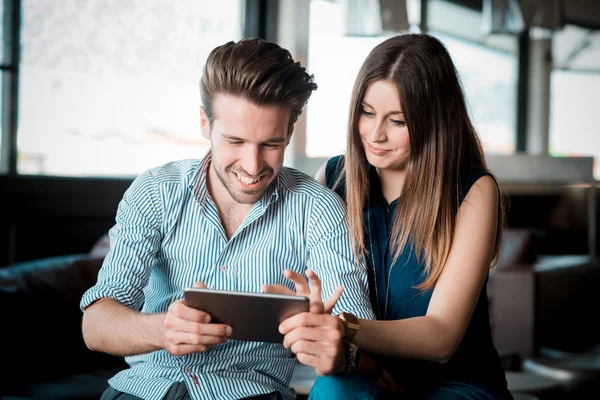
x: 236, y: 138
x: 275, y: 140
x: 390, y: 113
x: 232, y: 137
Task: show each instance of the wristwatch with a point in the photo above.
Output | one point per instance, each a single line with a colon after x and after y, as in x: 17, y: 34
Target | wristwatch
x: 352, y: 357
x: 352, y: 325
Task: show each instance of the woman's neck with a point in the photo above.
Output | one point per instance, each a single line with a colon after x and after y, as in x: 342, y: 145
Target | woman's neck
x: 392, y: 182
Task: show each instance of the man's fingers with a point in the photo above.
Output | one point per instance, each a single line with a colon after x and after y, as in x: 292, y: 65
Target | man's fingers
x: 277, y: 289
x: 210, y: 329
x: 186, y: 338
x: 180, y: 310
x: 333, y: 299
x: 199, y: 285
x: 299, y: 281
x: 183, y: 349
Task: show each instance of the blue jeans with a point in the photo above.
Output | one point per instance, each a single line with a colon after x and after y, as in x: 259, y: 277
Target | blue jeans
x: 353, y: 386
x: 348, y: 386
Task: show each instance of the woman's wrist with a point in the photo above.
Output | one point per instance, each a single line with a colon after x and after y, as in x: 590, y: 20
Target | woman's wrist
x: 352, y: 357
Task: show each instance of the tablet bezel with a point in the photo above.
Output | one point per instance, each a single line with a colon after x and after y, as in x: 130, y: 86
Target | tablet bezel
x: 252, y: 316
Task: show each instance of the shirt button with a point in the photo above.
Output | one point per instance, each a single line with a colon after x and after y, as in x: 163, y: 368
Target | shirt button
x: 224, y: 268
x: 188, y: 369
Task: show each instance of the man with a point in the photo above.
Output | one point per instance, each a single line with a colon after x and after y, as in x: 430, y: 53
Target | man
x: 234, y: 220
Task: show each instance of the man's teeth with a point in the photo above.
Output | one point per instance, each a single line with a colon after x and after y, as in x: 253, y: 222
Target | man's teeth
x: 248, y: 181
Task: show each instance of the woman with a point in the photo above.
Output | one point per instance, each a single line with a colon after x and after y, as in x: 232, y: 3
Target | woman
x: 426, y: 215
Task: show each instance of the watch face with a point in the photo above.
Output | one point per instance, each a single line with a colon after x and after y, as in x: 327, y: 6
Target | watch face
x: 350, y: 318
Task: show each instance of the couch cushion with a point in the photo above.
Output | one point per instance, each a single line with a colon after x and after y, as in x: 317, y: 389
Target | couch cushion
x: 41, y: 300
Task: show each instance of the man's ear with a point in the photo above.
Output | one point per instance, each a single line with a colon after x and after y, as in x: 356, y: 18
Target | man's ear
x: 289, y: 135
x: 204, y: 124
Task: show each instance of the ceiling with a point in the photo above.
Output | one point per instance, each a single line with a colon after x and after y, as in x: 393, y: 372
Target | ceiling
x: 574, y: 26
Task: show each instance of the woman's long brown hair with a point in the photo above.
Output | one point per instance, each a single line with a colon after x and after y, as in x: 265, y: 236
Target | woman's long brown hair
x: 444, y: 148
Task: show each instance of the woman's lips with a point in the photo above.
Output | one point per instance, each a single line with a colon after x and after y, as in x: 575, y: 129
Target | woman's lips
x: 376, y: 151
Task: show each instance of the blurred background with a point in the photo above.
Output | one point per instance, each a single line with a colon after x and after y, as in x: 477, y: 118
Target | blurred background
x: 94, y: 92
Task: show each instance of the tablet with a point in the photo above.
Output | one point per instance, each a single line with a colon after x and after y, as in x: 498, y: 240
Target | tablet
x: 252, y: 316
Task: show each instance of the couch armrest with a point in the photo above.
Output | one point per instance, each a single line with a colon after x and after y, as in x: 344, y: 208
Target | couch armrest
x: 511, y: 295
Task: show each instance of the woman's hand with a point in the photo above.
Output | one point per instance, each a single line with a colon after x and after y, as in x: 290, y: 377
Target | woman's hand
x: 316, y: 336
x: 302, y: 289
x: 387, y: 382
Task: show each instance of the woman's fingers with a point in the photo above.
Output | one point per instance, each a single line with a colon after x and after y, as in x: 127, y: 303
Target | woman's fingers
x: 333, y: 299
x: 299, y: 281
x: 314, y: 292
x: 315, y: 284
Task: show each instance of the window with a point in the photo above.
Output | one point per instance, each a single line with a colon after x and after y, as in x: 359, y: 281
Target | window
x: 112, y: 87
x: 489, y: 79
x: 574, y: 106
x: 335, y: 72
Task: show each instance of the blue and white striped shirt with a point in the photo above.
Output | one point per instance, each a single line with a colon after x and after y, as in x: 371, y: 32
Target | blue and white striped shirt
x: 168, y: 235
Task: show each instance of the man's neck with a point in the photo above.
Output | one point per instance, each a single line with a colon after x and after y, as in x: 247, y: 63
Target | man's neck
x: 231, y: 213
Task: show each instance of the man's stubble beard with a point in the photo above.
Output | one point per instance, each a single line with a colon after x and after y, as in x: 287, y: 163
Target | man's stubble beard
x: 234, y: 191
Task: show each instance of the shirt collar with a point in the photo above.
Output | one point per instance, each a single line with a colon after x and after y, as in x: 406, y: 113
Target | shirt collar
x: 272, y: 193
x: 197, y: 182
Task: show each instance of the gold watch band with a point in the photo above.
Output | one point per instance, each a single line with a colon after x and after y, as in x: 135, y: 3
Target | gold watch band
x: 351, y: 325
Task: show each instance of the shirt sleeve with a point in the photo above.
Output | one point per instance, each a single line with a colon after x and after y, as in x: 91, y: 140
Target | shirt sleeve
x: 331, y: 257
x: 134, y: 242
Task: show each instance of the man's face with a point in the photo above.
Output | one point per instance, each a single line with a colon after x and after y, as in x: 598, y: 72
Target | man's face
x: 248, y: 143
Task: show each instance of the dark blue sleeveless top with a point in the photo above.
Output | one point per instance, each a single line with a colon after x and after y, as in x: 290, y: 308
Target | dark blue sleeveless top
x: 476, y: 360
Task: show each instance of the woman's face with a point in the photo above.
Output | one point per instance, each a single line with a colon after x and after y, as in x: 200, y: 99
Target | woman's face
x: 382, y: 127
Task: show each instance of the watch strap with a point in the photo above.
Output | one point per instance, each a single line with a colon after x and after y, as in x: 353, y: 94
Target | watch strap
x: 352, y: 357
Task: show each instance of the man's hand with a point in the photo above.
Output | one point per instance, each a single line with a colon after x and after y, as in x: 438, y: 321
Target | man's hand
x: 315, y: 337
x: 187, y: 330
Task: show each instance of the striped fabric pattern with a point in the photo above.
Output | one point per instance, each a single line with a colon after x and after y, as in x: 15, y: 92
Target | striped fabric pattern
x: 168, y: 235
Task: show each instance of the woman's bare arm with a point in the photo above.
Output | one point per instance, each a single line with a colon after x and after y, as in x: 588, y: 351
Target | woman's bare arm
x: 436, y: 335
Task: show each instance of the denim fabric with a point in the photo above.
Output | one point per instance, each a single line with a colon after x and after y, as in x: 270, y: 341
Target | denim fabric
x: 462, y: 391
x: 354, y: 386
x: 349, y: 386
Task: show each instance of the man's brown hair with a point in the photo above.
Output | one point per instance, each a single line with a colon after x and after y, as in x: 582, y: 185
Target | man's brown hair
x: 256, y: 70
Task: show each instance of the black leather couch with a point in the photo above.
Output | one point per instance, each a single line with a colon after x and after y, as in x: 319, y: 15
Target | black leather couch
x: 43, y: 353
